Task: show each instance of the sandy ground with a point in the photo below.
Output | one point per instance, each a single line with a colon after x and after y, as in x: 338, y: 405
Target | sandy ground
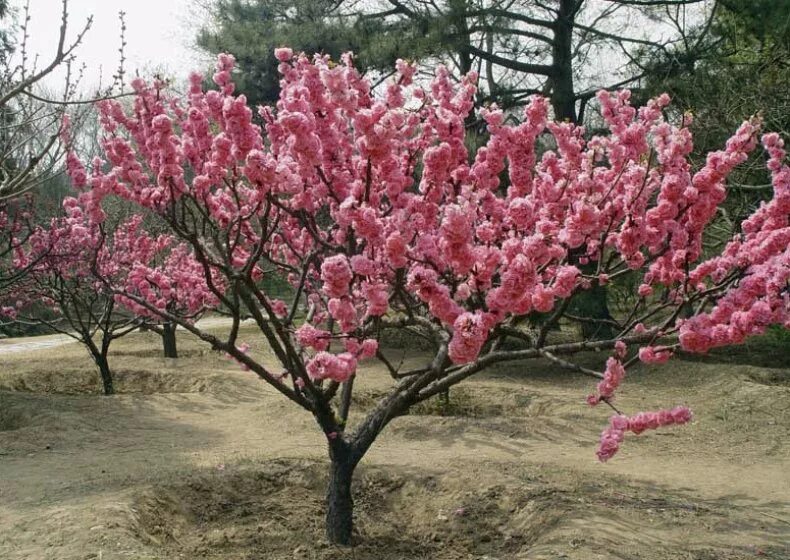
x: 197, y: 459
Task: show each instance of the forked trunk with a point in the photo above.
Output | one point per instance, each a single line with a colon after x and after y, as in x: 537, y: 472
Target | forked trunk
x: 339, y: 503
x: 169, y: 340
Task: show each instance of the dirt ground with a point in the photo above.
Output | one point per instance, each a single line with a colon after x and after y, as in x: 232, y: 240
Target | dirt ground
x: 197, y: 459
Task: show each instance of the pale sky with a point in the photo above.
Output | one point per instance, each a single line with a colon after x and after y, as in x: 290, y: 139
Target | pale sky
x: 158, y: 36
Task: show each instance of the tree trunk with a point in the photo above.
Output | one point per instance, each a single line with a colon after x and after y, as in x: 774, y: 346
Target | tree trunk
x: 563, y: 94
x: 593, y: 305
x: 106, y: 374
x: 339, y: 503
x: 169, y: 340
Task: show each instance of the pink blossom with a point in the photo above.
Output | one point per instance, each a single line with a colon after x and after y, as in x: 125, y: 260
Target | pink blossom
x: 329, y: 366
x: 279, y: 307
x: 470, y: 332
x: 613, y: 377
x: 396, y: 250
x: 343, y: 311
x: 283, y: 54
x: 655, y: 354
x: 612, y: 437
x: 645, y: 290
x: 377, y: 296
x: 336, y: 274
x: 9, y: 312
x: 309, y: 336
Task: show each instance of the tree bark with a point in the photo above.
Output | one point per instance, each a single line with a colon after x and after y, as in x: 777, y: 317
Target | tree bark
x: 563, y: 94
x: 105, y: 373
x: 339, y: 502
x: 169, y: 340
x: 593, y: 304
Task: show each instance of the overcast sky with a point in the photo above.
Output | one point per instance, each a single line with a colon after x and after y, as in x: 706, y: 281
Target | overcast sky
x: 158, y: 35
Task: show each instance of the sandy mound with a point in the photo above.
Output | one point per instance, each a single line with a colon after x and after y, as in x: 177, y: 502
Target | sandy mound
x: 274, y: 511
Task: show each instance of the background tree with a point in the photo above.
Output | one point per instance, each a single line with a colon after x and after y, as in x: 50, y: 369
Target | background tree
x: 30, y: 130
x: 564, y: 49
x: 70, y: 264
x: 334, y: 200
x: 6, y: 46
x: 254, y: 29
x: 29, y: 149
x: 59, y: 263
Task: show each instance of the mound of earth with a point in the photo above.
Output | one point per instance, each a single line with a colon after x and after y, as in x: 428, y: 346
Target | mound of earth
x: 274, y: 511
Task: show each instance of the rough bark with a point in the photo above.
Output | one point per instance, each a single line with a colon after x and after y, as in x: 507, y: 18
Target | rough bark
x: 339, y: 502
x: 104, y: 372
x: 563, y: 95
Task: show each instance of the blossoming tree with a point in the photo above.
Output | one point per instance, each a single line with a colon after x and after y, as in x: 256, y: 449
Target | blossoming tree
x: 55, y: 267
x: 70, y: 266
x: 381, y: 219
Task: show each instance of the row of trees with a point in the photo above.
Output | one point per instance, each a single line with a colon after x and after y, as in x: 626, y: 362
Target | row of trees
x: 563, y: 49
x: 383, y: 216
x: 697, y: 50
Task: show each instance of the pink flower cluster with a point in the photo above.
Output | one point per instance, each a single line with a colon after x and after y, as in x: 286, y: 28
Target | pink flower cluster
x: 362, y: 350
x: 756, y: 268
x: 655, y: 354
x: 176, y: 286
x: 338, y: 367
x: 613, y: 435
x: 613, y: 377
x: 337, y: 275
x: 470, y: 332
x: 310, y: 337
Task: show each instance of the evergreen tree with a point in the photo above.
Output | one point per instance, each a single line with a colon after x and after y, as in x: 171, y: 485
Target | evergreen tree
x: 565, y: 49
x: 251, y: 30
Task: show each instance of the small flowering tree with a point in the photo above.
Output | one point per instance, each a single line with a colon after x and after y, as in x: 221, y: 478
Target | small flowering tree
x: 382, y: 220
x: 56, y: 264
x: 70, y: 265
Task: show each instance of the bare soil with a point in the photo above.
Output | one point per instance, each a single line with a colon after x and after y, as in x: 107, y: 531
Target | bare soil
x: 198, y: 459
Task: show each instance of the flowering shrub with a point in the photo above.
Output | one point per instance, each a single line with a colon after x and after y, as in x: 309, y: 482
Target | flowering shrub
x: 379, y: 216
